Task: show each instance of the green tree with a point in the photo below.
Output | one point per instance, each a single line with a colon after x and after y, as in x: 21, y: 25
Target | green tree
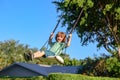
x: 11, y: 51
x: 99, y: 22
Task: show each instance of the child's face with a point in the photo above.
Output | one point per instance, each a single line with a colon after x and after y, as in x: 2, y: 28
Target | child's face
x: 60, y: 38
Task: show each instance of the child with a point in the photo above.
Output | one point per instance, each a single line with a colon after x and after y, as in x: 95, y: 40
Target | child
x: 55, y: 47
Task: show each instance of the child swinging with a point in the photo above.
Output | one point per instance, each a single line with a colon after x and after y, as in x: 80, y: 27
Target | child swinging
x: 55, y: 47
x: 59, y: 45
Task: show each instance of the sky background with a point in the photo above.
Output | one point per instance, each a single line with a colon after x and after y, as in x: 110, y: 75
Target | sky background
x: 32, y: 21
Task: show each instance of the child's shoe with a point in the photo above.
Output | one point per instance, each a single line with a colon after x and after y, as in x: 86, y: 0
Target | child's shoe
x: 28, y: 56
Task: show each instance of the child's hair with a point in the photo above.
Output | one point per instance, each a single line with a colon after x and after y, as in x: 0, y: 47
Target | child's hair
x: 61, y: 34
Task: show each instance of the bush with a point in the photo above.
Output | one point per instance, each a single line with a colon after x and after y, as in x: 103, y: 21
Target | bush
x: 113, y: 66
x: 60, y: 76
x: 102, y: 66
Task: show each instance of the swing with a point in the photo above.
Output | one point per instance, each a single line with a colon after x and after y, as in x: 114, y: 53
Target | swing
x: 59, y: 58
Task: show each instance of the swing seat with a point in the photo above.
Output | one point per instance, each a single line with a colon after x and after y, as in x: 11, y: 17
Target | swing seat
x: 51, y: 60
x: 58, y: 58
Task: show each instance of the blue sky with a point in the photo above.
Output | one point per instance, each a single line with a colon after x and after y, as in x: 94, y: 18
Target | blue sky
x: 32, y: 21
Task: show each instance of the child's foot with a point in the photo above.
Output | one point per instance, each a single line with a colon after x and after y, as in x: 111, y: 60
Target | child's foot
x: 28, y: 56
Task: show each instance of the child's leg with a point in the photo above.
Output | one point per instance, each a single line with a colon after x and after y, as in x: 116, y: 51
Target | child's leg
x: 38, y: 54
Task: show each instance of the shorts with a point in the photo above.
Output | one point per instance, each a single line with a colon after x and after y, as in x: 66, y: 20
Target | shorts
x: 49, y: 53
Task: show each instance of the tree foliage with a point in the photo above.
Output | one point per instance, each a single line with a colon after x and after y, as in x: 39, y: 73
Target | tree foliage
x: 11, y: 51
x: 99, y: 22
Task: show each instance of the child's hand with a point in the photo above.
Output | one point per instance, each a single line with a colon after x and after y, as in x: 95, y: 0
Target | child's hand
x: 69, y: 39
x: 70, y: 35
x: 52, y: 35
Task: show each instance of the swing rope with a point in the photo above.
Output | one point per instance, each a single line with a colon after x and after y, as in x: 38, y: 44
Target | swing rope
x: 76, y: 22
x: 62, y: 16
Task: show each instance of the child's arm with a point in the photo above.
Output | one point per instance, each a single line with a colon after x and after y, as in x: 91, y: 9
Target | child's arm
x: 69, y: 40
x: 50, y: 38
